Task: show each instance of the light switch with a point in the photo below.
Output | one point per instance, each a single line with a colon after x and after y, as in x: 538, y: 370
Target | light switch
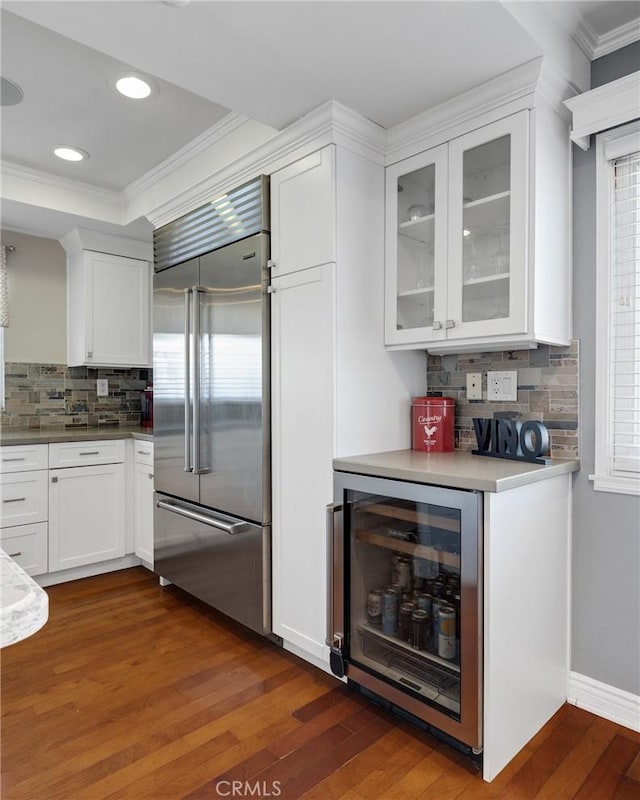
x: 502, y: 386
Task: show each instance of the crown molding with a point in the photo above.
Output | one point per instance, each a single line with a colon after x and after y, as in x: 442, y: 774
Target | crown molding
x: 329, y: 123
x: 462, y: 112
x: 617, y: 38
x: 586, y: 38
x: 10, y: 171
x: 605, y: 107
x: 595, y: 45
x: 225, y: 127
x: 78, y: 239
x: 554, y: 89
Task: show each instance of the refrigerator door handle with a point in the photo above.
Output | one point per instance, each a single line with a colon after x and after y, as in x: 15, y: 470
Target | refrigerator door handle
x: 207, y: 519
x: 187, y: 381
x: 195, y: 440
x: 335, y: 583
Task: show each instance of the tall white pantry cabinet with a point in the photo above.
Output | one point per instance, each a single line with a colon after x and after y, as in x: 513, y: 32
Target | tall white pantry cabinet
x: 336, y: 390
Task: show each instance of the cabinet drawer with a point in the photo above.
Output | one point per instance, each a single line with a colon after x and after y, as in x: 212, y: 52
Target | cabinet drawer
x: 28, y: 546
x: 24, y: 458
x: 143, y: 452
x: 86, y: 454
x: 23, y: 498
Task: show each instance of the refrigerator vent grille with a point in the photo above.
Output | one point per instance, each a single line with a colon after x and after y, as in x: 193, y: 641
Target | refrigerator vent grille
x: 228, y: 218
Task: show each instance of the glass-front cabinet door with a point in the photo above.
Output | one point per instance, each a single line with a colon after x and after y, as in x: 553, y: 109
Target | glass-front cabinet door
x: 457, y: 245
x: 413, y: 599
x: 416, y: 247
x: 487, y: 230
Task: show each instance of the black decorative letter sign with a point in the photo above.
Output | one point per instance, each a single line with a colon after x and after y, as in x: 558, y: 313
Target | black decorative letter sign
x: 506, y: 438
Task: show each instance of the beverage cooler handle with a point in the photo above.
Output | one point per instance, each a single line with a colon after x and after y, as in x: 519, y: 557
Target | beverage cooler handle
x: 187, y: 380
x: 335, y: 572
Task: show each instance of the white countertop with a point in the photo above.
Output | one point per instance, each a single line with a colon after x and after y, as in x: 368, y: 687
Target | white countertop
x: 24, y: 606
x: 459, y: 469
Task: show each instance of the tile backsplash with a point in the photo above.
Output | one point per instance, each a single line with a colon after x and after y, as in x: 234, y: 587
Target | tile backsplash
x: 548, y: 380
x: 57, y: 397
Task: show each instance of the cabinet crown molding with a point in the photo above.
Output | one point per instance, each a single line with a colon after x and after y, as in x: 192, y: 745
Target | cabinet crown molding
x: 499, y: 97
x: 78, y: 239
x: 329, y: 123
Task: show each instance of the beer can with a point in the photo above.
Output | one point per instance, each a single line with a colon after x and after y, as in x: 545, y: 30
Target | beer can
x: 405, y: 573
x: 435, y: 622
x: 405, y: 628
x: 420, y: 622
x: 374, y: 607
x: 447, y: 632
x: 424, y: 601
x: 395, y: 560
x: 390, y: 602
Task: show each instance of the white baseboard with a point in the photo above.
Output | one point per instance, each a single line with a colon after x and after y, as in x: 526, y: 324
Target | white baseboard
x: 88, y: 571
x: 604, y: 700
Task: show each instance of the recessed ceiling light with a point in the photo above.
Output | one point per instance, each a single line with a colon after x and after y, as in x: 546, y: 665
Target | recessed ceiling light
x: 131, y: 86
x: 68, y: 153
x: 175, y: 3
x: 10, y: 93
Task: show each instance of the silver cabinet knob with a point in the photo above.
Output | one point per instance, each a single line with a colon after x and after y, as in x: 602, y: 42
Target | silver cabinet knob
x: 437, y: 326
x: 450, y: 323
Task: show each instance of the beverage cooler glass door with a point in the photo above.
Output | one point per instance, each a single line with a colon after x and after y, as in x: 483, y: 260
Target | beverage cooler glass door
x: 412, y: 598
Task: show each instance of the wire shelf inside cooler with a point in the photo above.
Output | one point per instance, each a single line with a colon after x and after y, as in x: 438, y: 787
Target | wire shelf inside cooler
x: 424, y: 673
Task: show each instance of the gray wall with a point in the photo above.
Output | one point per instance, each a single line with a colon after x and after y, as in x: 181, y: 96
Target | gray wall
x: 606, y: 527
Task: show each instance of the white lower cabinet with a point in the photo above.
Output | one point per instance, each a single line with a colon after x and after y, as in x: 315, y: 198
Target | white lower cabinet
x: 143, y: 501
x: 23, y: 498
x: 23, y: 506
x: 28, y: 546
x: 93, y: 504
x: 86, y: 515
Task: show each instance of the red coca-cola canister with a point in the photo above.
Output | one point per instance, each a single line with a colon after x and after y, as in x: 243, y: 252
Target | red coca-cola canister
x: 432, y: 424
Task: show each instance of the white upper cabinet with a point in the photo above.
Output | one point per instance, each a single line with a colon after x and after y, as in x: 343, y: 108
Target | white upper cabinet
x: 108, y: 302
x: 108, y: 308
x: 476, y: 255
x: 303, y: 213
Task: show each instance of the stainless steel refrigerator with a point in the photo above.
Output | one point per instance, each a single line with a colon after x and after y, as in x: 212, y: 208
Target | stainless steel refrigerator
x: 212, y: 516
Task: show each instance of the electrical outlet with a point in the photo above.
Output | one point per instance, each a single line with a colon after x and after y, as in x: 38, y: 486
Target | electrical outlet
x: 502, y: 385
x: 474, y: 386
x: 102, y: 387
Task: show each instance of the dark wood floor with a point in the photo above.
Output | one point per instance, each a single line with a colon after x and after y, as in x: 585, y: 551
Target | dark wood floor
x: 133, y: 691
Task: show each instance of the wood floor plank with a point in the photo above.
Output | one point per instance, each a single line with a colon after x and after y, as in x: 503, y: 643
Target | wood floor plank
x: 538, y: 769
x: 566, y: 780
x: 133, y: 692
x: 604, y: 778
x: 626, y: 789
x: 374, y: 769
x: 634, y: 769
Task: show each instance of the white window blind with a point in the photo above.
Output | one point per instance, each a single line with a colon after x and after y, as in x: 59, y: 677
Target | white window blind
x: 624, y: 380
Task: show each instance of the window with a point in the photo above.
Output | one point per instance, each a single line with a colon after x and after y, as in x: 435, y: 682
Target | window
x: 617, y: 455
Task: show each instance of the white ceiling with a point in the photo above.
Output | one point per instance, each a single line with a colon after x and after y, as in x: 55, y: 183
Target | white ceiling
x: 271, y: 61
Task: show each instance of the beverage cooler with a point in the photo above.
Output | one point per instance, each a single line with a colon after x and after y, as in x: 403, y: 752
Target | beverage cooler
x: 404, y: 616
